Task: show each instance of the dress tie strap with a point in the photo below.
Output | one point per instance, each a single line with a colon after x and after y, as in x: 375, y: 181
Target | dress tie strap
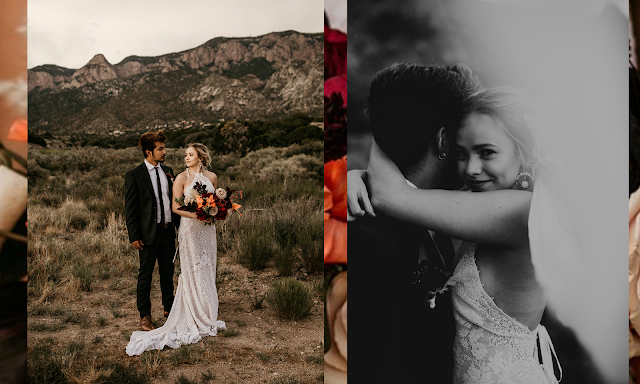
x: 546, y: 348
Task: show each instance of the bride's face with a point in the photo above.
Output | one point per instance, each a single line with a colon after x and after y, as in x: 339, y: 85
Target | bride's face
x: 191, y: 157
x: 487, y: 158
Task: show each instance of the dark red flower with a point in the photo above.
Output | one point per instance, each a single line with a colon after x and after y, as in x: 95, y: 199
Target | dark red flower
x: 337, y: 84
x: 335, y: 127
x: 335, y: 53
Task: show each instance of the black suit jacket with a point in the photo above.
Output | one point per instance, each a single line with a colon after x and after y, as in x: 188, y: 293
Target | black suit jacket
x: 140, y: 206
x: 393, y: 338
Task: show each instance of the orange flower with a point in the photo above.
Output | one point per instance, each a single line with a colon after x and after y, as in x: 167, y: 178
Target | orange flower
x: 19, y: 131
x: 335, y: 211
x: 199, y: 201
x: 235, y: 207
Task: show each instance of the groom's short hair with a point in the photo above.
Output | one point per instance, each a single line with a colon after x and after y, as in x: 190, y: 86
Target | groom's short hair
x: 148, y: 141
x: 408, y: 103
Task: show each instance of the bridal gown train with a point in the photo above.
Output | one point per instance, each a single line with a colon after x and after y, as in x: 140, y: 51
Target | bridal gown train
x: 194, y: 314
x: 490, y: 346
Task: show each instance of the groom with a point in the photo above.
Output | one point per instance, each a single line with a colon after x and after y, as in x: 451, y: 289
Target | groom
x: 151, y: 223
x: 414, y: 113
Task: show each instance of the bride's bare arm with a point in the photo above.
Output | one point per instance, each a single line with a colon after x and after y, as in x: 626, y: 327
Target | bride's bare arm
x: 214, y: 179
x: 357, y: 195
x: 178, y: 188
x: 497, y: 217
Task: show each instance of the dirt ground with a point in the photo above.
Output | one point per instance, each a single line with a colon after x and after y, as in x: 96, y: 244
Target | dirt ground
x: 258, y: 346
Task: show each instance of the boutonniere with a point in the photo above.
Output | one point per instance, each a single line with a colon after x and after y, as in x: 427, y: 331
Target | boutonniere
x: 170, y: 176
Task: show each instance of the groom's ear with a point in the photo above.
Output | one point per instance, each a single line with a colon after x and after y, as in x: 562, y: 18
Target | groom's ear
x: 442, y: 140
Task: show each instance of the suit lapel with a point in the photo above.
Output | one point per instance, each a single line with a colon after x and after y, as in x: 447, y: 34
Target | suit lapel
x: 168, y: 175
x: 437, y: 250
x: 445, y: 248
x: 144, y: 174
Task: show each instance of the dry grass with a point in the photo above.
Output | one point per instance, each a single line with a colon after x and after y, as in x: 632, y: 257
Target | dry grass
x: 83, y: 272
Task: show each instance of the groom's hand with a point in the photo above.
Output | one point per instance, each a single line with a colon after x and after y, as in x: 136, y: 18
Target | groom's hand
x: 137, y: 244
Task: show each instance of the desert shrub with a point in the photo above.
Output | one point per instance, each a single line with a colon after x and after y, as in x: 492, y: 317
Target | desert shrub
x: 186, y: 354
x: 290, y: 298
x: 71, y: 317
x: 221, y: 163
x: 285, y: 260
x: 230, y: 332
x: 37, y: 173
x: 313, y: 257
x: 309, y: 235
x: 285, y: 232
x: 256, y: 247
x: 75, y: 215
x: 83, y: 275
x: 75, y: 347
x: 254, y: 161
x: 120, y: 374
x: 45, y: 366
x: 315, y: 148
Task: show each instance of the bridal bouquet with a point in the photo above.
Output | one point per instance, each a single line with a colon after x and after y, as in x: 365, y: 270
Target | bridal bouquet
x: 335, y: 147
x: 209, y: 206
x: 335, y: 204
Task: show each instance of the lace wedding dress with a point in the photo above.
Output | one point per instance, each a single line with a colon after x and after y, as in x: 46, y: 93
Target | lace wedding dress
x: 490, y: 346
x: 194, y: 314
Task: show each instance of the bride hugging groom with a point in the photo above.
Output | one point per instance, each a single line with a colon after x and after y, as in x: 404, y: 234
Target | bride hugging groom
x: 435, y: 128
x: 152, y: 214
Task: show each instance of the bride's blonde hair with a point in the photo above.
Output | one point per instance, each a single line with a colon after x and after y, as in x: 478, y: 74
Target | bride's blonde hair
x: 513, y: 110
x: 203, y: 153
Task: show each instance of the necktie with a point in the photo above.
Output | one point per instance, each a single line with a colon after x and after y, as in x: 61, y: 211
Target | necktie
x: 160, y: 197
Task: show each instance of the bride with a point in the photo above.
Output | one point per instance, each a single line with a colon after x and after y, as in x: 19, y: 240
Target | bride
x: 498, y: 302
x: 194, y: 313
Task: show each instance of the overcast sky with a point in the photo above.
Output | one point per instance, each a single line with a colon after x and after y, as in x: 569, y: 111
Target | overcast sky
x: 70, y: 32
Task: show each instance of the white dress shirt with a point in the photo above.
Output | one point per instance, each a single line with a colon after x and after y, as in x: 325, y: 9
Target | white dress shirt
x: 166, y: 194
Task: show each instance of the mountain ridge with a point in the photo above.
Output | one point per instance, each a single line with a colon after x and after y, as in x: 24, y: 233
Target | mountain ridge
x: 262, y: 77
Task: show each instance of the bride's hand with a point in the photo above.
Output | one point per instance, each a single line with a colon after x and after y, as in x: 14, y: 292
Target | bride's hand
x: 357, y: 195
x: 384, y: 177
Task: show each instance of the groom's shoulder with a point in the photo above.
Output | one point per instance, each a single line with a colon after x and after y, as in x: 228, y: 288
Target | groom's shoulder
x: 376, y: 231
x: 373, y: 224
x: 133, y: 171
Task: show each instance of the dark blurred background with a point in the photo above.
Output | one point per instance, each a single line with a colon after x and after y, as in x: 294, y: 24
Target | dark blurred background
x: 503, y: 42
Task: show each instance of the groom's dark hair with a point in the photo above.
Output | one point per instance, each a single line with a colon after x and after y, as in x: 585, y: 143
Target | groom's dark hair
x: 148, y: 141
x: 408, y: 103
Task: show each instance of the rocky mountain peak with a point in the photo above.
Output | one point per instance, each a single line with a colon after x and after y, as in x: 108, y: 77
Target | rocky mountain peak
x: 99, y: 59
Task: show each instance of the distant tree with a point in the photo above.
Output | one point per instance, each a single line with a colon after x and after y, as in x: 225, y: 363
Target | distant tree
x: 234, y: 136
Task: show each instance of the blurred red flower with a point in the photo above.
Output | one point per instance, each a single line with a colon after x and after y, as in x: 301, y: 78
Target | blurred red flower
x: 335, y: 53
x: 337, y: 84
x: 335, y: 211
